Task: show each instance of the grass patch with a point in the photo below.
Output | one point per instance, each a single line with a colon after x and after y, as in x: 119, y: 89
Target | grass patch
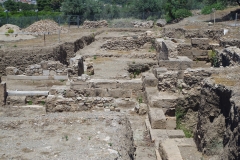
x: 10, y: 30
x: 30, y: 102
x: 179, y: 116
x: 140, y: 100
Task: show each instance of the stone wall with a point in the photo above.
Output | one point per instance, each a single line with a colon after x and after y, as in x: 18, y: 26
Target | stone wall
x: 211, y: 33
x: 126, y: 43
x: 21, y: 58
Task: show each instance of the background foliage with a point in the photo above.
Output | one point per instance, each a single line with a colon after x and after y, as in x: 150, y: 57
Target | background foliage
x: 168, y: 9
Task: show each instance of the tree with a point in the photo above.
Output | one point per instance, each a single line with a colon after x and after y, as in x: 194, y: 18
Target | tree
x: 56, y: 4
x: 11, y: 5
x: 43, y: 5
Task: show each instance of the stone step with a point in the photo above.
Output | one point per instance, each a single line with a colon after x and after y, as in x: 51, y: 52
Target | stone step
x: 164, y: 100
x: 149, y: 80
x: 27, y: 93
x: 178, y: 63
x: 158, y: 135
x: 157, y: 118
x: 169, y: 150
x: 23, y: 77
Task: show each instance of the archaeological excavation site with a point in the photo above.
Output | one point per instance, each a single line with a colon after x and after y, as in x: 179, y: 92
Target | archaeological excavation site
x: 146, y: 92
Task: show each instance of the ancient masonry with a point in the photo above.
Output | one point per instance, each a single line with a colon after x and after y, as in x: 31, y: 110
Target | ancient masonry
x: 164, y: 91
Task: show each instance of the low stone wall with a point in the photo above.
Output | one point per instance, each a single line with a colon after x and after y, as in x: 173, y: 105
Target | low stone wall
x: 21, y: 58
x: 211, y: 33
x: 60, y: 104
x: 46, y: 68
x: 126, y: 43
x: 95, y: 24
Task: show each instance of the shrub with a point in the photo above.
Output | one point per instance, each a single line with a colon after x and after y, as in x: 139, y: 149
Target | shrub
x: 208, y: 9
x: 182, y: 13
x: 10, y: 30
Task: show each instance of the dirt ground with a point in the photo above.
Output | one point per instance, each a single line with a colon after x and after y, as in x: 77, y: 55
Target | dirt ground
x: 85, y: 135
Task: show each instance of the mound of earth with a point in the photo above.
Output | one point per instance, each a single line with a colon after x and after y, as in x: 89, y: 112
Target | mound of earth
x: 45, y: 27
x: 6, y: 27
x: 7, y: 35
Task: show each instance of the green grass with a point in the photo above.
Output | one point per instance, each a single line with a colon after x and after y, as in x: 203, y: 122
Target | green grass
x: 179, y: 116
x: 140, y: 100
x: 30, y: 102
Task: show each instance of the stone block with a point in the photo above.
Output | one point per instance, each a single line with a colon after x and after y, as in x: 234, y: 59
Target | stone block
x: 16, y: 100
x: 201, y: 43
x: 103, y: 83
x: 46, y: 72
x: 3, y: 93
x: 175, y: 134
x: 169, y: 150
x: 120, y: 93
x: 134, y: 84
x: 79, y: 85
x: 157, y: 118
x: 169, y: 50
x: 52, y: 73
x: 159, y: 70
x: 149, y: 80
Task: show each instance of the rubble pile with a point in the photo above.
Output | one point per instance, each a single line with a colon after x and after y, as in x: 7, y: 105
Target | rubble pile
x: 140, y: 24
x: 45, y: 27
x: 95, y: 24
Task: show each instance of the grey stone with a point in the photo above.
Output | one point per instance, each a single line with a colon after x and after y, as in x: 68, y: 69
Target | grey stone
x: 161, y: 22
x: 157, y: 118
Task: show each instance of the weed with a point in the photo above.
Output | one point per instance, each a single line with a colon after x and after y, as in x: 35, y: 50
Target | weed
x: 95, y: 57
x: 10, y: 30
x: 89, y: 138
x: 133, y: 62
x: 197, y: 60
x: 30, y: 102
x: 213, y: 58
x: 7, y: 34
x: 61, y: 80
x: 110, y: 144
x: 140, y: 100
x: 14, y: 45
x: 179, y: 115
x: 65, y: 137
x: 43, y: 102
x: 180, y: 89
